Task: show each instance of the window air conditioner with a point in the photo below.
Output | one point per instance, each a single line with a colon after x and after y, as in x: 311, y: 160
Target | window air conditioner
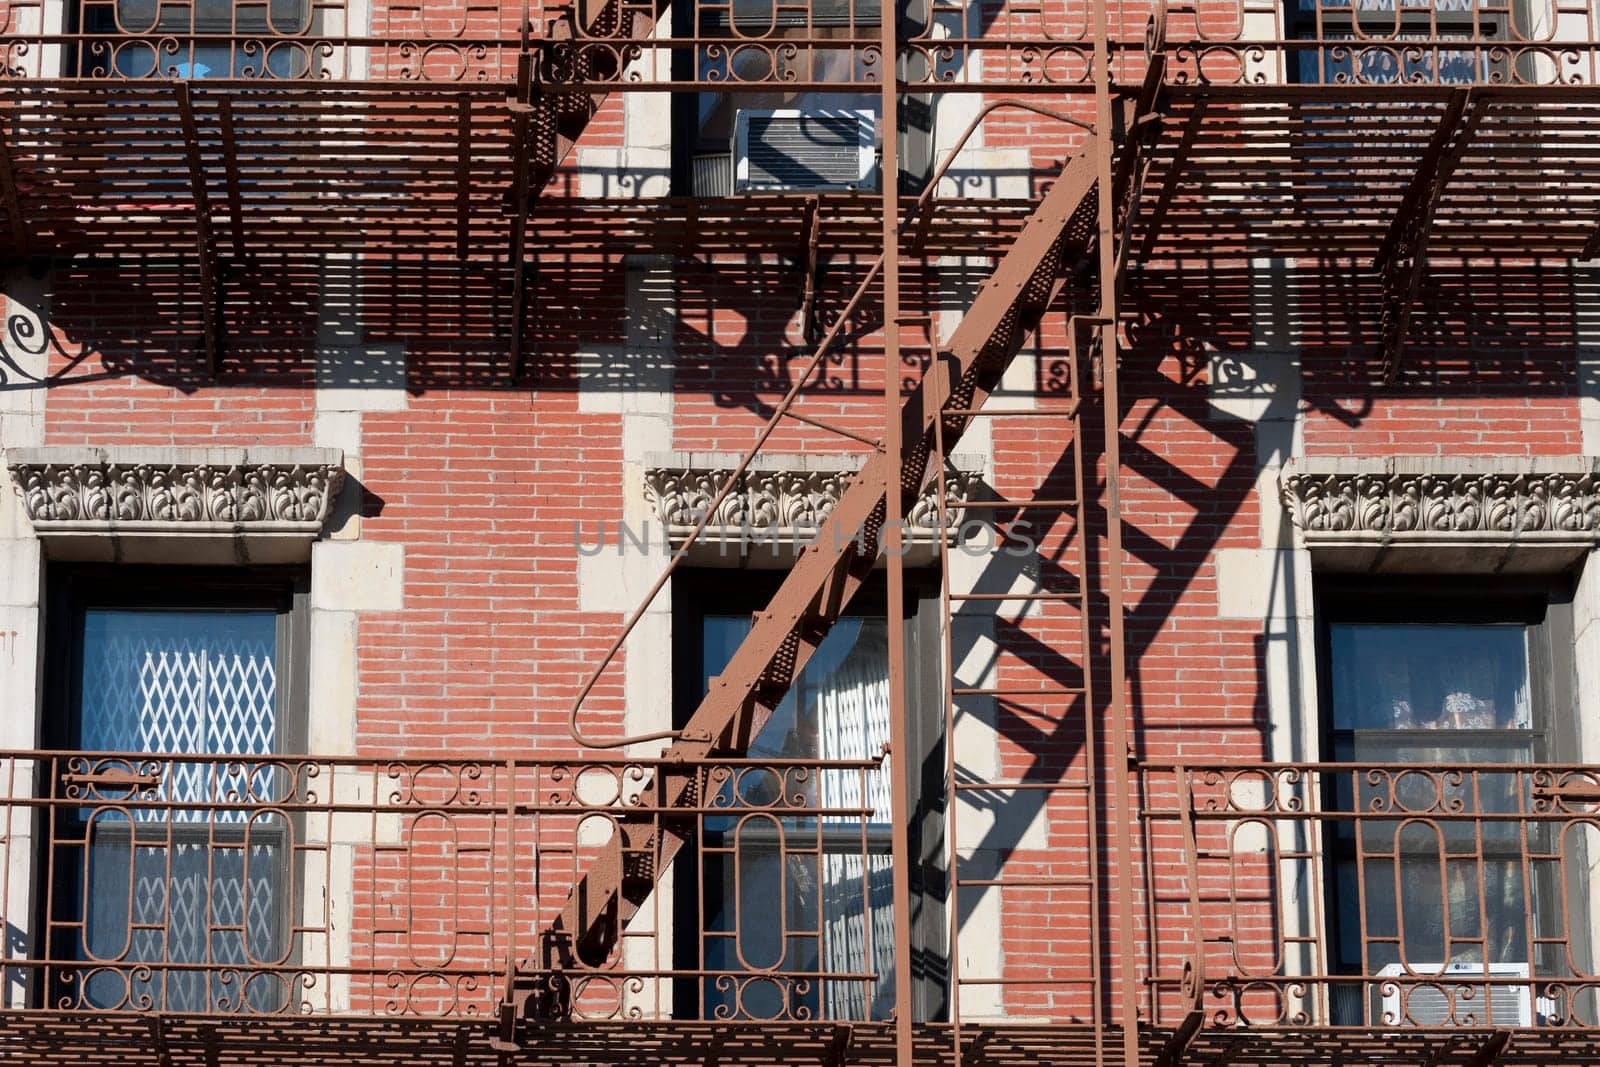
x: 813, y: 149
x: 1429, y: 1006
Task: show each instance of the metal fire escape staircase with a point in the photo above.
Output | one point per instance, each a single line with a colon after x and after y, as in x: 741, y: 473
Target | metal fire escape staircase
x: 548, y: 115
x: 1054, y: 241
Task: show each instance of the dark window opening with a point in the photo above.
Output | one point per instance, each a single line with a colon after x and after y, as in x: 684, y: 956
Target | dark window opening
x: 1453, y: 683
x: 1396, y: 41
x: 236, y: 39
x: 175, y: 897
x: 826, y: 889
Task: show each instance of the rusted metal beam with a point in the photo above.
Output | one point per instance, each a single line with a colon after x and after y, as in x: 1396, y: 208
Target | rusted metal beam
x: 463, y: 175
x: 1193, y: 985
x: 810, y: 239
x: 1169, y: 188
x: 1416, y: 206
x: 230, y: 173
x: 897, y: 469
x: 1491, y: 1050
x: 205, y: 241
x: 1402, y: 258
x: 522, y: 109
x: 519, y: 236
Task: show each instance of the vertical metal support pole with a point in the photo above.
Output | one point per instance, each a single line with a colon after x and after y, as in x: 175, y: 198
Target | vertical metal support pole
x: 893, y: 521
x: 1122, y: 812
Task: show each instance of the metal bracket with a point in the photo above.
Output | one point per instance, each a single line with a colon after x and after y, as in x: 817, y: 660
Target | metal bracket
x: 1591, y: 247
x: 1192, y: 989
x: 158, y: 1042
x: 205, y: 241
x: 1491, y: 1050
x: 230, y: 175
x: 1402, y: 258
x: 1583, y: 792
x: 838, y: 1050
x: 120, y: 779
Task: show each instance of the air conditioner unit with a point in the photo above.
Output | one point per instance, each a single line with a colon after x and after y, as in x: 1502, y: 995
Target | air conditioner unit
x: 1429, y: 1006
x: 814, y: 149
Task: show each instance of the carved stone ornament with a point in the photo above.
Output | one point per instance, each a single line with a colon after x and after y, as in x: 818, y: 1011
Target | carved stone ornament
x: 787, y: 494
x: 1432, y: 500
x: 177, y: 490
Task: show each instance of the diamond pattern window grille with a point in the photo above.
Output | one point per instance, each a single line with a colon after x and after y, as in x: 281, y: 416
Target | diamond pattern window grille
x: 185, y: 682
x: 184, y: 882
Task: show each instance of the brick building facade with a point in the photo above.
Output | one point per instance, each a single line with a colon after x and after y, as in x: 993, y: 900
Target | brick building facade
x: 366, y: 365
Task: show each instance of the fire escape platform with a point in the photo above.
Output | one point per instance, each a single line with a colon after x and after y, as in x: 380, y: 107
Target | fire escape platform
x: 130, y: 1040
x: 295, y: 170
x: 1335, y: 172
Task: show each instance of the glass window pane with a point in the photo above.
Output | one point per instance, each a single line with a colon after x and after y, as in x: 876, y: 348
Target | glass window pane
x: 837, y: 918
x: 178, y: 896
x: 1426, y: 677
x: 179, y: 681
x: 838, y: 709
x: 1431, y: 889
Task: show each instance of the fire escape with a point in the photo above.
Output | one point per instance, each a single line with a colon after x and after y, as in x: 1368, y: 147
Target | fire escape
x: 448, y: 136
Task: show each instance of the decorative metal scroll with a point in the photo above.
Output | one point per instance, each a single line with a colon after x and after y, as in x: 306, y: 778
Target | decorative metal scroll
x: 825, y: 43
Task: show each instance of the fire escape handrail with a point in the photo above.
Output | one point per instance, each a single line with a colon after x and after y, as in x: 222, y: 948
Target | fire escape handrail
x: 778, y: 414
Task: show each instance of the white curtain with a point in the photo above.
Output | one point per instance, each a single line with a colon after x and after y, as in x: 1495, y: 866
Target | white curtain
x: 850, y: 707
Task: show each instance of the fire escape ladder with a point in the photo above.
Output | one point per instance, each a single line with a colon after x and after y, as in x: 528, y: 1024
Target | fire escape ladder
x: 579, y: 48
x: 548, y: 117
x: 816, y: 591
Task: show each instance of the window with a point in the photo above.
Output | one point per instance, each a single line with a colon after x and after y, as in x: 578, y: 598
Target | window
x: 811, y: 138
x: 1382, y: 41
x: 172, y: 897
x: 1455, y: 685
x: 242, y: 39
x: 829, y: 878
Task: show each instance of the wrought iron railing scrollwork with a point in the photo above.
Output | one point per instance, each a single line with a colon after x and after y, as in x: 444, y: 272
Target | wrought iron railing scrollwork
x: 1023, y: 46
x: 289, y: 885
x: 1418, y: 896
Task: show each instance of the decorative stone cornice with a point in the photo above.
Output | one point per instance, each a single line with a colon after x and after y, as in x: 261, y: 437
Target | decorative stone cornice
x: 783, y: 493
x: 1434, y: 500
x: 234, y: 491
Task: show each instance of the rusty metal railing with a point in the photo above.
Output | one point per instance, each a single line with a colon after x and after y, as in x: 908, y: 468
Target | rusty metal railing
x: 1024, y: 46
x: 1280, y: 896
x: 1402, y: 896
x: 210, y: 885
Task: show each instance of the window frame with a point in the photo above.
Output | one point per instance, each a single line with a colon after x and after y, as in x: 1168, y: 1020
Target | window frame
x: 701, y: 592
x: 192, y: 32
x: 73, y: 589
x: 1541, y: 603
x: 916, y: 112
x: 1314, y: 21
